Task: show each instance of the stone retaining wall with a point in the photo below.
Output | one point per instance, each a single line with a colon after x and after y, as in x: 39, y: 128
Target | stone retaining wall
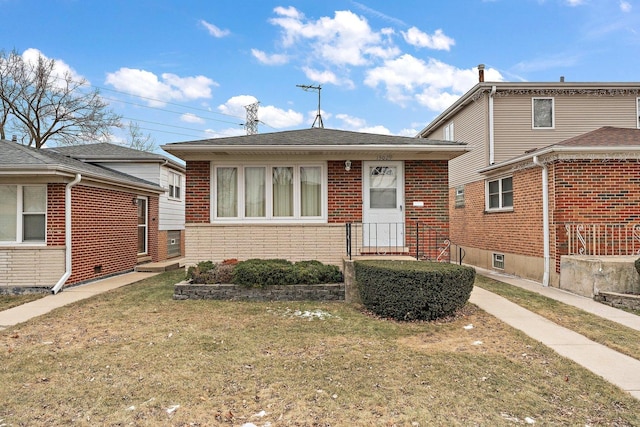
x: 328, y: 292
x: 619, y: 300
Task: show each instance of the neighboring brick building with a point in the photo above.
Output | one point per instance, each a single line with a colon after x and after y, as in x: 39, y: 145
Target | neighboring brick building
x: 64, y: 221
x: 290, y: 194
x: 496, y: 210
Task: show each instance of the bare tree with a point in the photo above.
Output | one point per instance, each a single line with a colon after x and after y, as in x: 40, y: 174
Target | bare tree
x: 40, y: 105
x: 138, y: 140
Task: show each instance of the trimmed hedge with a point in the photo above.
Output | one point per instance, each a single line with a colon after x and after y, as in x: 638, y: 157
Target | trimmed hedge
x: 259, y: 273
x: 413, y: 290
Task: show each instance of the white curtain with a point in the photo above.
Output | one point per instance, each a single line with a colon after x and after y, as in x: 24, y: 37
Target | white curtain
x: 310, y: 191
x: 282, y: 191
x: 8, y: 212
x: 227, y: 192
x: 254, y: 187
x: 383, y: 187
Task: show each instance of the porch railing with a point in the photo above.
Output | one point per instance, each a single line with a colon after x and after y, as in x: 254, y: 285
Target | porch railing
x: 603, y: 239
x: 413, y: 239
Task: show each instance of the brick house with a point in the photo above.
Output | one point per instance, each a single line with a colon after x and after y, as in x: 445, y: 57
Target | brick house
x: 289, y: 195
x: 151, y: 167
x: 64, y: 221
x: 495, y: 190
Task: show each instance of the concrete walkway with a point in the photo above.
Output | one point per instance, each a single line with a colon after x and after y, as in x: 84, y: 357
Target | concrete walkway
x: 619, y: 369
x: 32, y: 309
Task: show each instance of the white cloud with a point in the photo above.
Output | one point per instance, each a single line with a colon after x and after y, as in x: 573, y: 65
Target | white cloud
x: 273, y: 59
x: 159, y: 91
x: 437, y: 41
x: 345, y: 39
x: 358, y: 124
x: 191, y: 118
x: 60, y: 68
x: 625, y: 6
x: 434, y: 83
x: 213, y: 30
x: 574, y: 3
x: 269, y: 115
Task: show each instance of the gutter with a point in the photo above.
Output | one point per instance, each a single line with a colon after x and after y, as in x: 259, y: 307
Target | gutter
x: 545, y: 218
x: 492, y: 156
x: 67, y: 238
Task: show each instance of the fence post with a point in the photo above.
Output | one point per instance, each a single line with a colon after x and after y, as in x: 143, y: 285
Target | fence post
x: 348, y: 238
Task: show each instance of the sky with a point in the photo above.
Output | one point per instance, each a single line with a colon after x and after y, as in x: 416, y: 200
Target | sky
x: 185, y: 70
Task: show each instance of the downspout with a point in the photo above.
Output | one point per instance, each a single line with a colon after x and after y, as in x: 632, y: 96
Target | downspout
x: 492, y: 157
x: 67, y: 231
x: 545, y: 218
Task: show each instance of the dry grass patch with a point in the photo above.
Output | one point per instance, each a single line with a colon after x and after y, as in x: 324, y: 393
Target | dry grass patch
x: 134, y: 356
x: 613, y: 335
x: 10, y: 301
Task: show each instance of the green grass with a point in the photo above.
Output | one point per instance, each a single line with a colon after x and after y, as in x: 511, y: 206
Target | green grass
x: 603, y: 331
x: 128, y: 356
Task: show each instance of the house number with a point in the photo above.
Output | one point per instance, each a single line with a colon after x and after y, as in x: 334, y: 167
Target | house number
x: 384, y: 157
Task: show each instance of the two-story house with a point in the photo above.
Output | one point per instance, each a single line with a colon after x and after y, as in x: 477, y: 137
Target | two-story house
x: 513, y: 208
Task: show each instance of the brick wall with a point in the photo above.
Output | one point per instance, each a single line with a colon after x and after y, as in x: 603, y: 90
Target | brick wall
x: 427, y: 182
x: 518, y: 231
x: 55, y: 215
x: 198, y: 192
x: 345, y: 192
x: 594, y: 192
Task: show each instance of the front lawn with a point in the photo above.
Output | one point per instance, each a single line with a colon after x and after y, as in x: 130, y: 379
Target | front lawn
x: 135, y: 356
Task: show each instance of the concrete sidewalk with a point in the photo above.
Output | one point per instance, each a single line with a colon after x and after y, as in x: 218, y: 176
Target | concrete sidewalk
x: 617, y: 368
x: 32, y: 309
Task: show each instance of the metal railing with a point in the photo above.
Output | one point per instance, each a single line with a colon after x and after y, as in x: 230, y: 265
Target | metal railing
x: 603, y: 239
x: 413, y: 239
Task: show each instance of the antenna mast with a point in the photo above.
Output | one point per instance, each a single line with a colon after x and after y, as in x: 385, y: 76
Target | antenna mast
x: 251, y: 123
x: 318, y: 118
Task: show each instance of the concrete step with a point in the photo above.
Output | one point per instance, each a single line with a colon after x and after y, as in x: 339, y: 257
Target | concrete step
x: 158, y: 267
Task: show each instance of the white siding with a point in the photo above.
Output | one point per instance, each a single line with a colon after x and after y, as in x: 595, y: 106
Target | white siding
x: 147, y: 171
x: 171, y: 210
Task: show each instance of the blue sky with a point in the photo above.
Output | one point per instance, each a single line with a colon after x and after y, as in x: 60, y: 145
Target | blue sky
x: 184, y: 70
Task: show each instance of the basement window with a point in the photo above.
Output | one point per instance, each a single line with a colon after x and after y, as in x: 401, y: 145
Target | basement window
x: 459, y: 202
x: 498, y: 261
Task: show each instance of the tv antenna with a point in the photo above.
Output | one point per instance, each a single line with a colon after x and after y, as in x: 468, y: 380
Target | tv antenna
x: 318, y: 118
x: 251, y: 123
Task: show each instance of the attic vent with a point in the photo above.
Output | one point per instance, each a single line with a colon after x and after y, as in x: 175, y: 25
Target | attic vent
x: 14, y: 138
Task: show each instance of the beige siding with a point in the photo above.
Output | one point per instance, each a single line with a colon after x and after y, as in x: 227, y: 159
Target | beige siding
x: 574, y: 115
x: 31, y: 267
x: 215, y: 242
x: 470, y: 126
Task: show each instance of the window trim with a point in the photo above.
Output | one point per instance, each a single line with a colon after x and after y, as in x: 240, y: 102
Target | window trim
x: 447, y: 132
x: 20, y: 214
x: 553, y: 113
x: 638, y: 112
x: 494, y: 260
x: 459, y: 196
x: 171, y: 184
x: 501, y: 208
x: 269, y: 218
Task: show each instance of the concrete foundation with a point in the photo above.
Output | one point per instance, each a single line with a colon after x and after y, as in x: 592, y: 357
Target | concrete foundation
x: 589, y: 275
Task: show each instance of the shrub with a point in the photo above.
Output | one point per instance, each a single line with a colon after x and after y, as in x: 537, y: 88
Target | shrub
x: 202, y: 273
x: 260, y: 273
x: 637, y: 265
x: 313, y: 272
x: 413, y: 290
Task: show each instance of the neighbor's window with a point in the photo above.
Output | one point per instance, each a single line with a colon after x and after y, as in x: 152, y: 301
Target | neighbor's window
x: 23, y: 213
x: 269, y: 192
x: 175, y: 185
x: 638, y: 111
x: 542, y: 112
x: 500, y: 193
x: 498, y: 261
x: 448, y: 132
x: 459, y: 202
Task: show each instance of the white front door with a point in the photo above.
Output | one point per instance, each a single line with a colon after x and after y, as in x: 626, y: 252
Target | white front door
x: 383, y: 210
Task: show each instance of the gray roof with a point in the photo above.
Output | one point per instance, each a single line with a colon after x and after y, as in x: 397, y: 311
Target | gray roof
x: 17, y: 159
x: 106, y: 152
x: 315, y: 136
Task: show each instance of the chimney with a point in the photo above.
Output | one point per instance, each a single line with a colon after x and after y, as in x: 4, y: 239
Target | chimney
x: 14, y: 138
x: 481, y: 73
x: 561, y: 79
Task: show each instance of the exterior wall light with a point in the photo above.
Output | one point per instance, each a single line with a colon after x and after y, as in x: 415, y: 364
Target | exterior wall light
x: 347, y: 165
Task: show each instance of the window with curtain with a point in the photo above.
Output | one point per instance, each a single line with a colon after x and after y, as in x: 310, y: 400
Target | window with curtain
x: 23, y: 213
x: 227, y: 192
x: 310, y: 191
x: 270, y: 192
x: 254, y: 192
x: 383, y: 187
